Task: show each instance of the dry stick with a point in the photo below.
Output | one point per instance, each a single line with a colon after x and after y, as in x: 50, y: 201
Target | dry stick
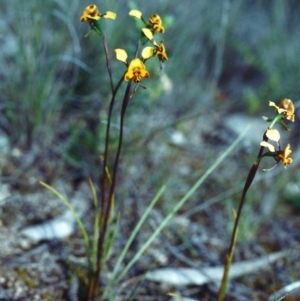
x: 229, y: 255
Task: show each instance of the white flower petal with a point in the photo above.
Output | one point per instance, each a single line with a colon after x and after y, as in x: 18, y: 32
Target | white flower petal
x: 273, y: 134
x: 268, y: 146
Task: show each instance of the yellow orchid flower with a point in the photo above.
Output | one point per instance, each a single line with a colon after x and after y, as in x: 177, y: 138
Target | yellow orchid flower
x: 160, y: 51
x: 284, y: 155
x: 91, y: 12
x: 155, y: 23
x: 136, y: 70
x: 286, y: 107
x: 279, y: 155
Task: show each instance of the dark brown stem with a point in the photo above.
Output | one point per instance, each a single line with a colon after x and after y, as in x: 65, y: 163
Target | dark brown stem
x: 104, y: 175
x: 137, y: 49
x: 105, y: 211
x: 108, y: 66
x: 115, y: 167
x: 95, y: 275
x: 230, y: 251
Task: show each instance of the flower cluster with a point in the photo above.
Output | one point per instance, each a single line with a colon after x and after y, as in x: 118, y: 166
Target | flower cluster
x: 285, y: 110
x: 136, y: 68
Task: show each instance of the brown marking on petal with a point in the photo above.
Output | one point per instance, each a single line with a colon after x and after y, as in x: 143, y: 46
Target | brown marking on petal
x: 137, y: 77
x: 137, y: 80
x: 162, y: 56
x: 128, y: 75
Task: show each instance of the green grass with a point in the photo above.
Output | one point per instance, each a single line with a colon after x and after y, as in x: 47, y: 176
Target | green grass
x: 46, y: 44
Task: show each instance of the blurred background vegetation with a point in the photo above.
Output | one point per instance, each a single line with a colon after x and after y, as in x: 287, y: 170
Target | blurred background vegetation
x: 226, y: 59
x: 232, y: 56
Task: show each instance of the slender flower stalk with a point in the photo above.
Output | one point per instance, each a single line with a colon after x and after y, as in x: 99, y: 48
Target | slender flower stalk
x: 230, y: 251
x: 105, y: 206
x: 285, y: 110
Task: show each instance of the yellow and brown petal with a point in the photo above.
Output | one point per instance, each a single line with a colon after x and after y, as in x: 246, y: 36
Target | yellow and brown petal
x: 136, y: 70
x: 288, y: 106
x: 91, y: 12
x: 158, y: 50
x: 155, y: 23
x: 284, y: 155
x: 161, y: 51
x: 285, y: 107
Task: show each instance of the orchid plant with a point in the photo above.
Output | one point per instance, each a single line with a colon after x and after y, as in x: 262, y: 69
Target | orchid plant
x: 134, y: 73
x: 284, y: 111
